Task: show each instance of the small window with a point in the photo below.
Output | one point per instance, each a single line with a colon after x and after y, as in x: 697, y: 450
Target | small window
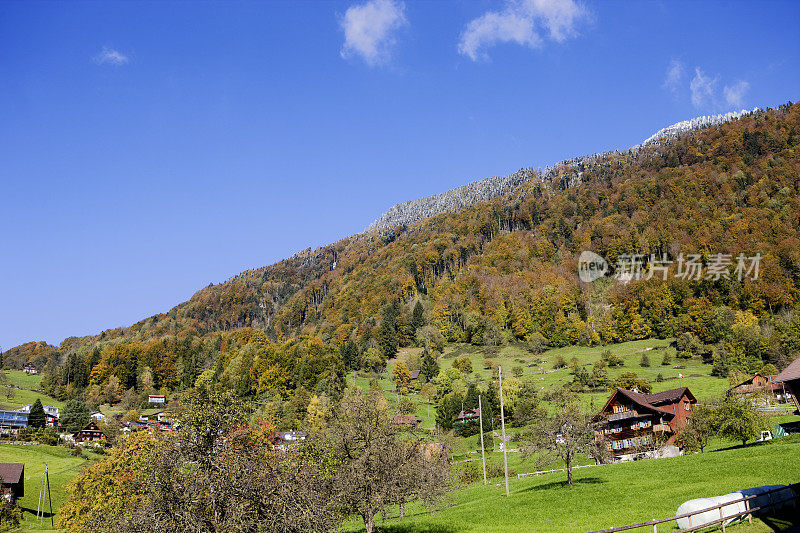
x: 687, y: 406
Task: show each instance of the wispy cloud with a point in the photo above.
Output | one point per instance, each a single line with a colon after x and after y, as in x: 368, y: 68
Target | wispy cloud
x: 109, y: 56
x: 734, y: 94
x: 674, y: 77
x: 524, y: 22
x: 370, y: 28
x: 703, y: 89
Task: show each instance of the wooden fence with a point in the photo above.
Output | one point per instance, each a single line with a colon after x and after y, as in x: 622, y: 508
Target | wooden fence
x: 722, y: 519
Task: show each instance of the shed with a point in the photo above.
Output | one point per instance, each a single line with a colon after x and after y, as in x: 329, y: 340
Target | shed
x: 12, y: 480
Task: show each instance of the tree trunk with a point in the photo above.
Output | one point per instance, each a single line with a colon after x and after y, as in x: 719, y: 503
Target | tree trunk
x: 402, y: 508
x: 569, y: 471
x: 369, y: 522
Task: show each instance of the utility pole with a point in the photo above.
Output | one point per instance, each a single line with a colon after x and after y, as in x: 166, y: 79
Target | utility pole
x: 503, y: 423
x: 483, y: 451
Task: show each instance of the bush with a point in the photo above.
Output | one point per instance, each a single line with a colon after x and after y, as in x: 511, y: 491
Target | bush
x: 667, y: 360
x: 611, y: 359
x: 559, y: 362
x: 10, y: 516
x: 645, y: 362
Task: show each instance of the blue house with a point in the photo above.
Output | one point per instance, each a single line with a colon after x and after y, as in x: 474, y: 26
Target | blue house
x: 12, y: 421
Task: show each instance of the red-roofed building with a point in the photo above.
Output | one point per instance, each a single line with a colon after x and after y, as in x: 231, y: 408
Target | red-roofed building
x: 635, y: 425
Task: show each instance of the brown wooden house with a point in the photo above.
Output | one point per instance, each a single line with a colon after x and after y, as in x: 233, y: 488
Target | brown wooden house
x: 635, y: 425
x: 790, y: 378
x: 89, y: 433
x: 759, y: 384
x: 12, y: 481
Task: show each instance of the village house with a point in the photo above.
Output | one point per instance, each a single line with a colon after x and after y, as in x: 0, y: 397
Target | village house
x: 89, y: 433
x: 468, y: 415
x: 12, y: 481
x: 29, y: 368
x: 12, y: 421
x: 634, y: 425
x: 414, y: 374
x: 157, y: 399
x: 51, y: 413
x: 790, y: 378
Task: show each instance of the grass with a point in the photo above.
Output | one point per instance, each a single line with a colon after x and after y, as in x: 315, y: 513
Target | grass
x: 608, y: 495
x: 539, y: 369
x: 62, y: 467
x: 27, y: 392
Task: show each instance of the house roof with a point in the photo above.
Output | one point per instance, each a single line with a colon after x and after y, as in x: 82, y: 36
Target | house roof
x: 11, y: 473
x: 651, y: 402
x: 790, y: 373
x: 414, y: 374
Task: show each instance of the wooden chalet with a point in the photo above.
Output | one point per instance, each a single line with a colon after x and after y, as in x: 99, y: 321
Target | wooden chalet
x: 90, y: 433
x: 12, y: 481
x: 29, y: 368
x: 635, y: 425
x: 790, y: 378
x: 468, y: 415
x: 760, y: 384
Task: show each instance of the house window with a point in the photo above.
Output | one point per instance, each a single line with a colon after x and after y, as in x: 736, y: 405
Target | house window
x: 687, y: 406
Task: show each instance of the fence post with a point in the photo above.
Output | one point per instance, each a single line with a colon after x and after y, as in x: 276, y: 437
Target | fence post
x: 747, y: 507
x: 722, y: 519
x: 655, y: 526
x: 690, y: 521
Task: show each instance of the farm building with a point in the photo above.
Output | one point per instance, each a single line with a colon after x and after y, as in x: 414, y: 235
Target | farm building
x: 12, y: 481
x: 760, y: 384
x: 29, y: 368
x: 790, y: 378
x: 636, y: 425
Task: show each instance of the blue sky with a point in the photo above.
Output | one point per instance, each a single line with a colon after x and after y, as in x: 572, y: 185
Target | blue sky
x: 148, y: 149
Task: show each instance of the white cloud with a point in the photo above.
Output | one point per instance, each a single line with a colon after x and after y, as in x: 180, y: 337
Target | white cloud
x: 109, y: 56
x: 702, y: 88
x: 734, y: 94
x: 524, y: 22
x: 369, y: 30
x: 674, y: 76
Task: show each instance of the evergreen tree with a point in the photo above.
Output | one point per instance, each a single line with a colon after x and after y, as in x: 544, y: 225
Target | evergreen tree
x: 74, y: 416
x: 471, y: 398
x: 349, y: 353
x: 418, y: 316
x: 430, y: 368
x: 37, y: 418
x: 387, y: 337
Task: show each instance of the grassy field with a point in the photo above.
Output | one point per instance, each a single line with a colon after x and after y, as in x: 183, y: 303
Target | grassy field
x: 26, y: 393
x: 608, y: 495
x: 539, y: 369
x: 62, y: 467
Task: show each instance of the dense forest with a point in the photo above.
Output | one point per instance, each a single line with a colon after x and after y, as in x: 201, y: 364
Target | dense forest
x: 496, y: 271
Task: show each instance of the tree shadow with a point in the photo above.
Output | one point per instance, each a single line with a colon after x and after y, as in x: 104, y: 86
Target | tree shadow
x: 557, y: 484
x: 415, y: 528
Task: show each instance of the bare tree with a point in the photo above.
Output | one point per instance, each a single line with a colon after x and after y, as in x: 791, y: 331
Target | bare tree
x: 565, y: 435
x: 381, y: 464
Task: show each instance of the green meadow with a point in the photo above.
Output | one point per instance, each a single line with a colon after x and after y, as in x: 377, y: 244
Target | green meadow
x: 62, y: 467
x: 608, y: 495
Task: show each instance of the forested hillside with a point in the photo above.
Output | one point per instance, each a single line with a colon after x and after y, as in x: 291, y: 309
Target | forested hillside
x: 494, y: 272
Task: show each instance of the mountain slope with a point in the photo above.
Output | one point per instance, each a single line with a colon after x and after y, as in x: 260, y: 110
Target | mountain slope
x: 506, y: 267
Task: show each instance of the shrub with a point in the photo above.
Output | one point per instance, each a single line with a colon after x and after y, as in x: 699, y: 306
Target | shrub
x: 645, y: 362
x: 667, y: 360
